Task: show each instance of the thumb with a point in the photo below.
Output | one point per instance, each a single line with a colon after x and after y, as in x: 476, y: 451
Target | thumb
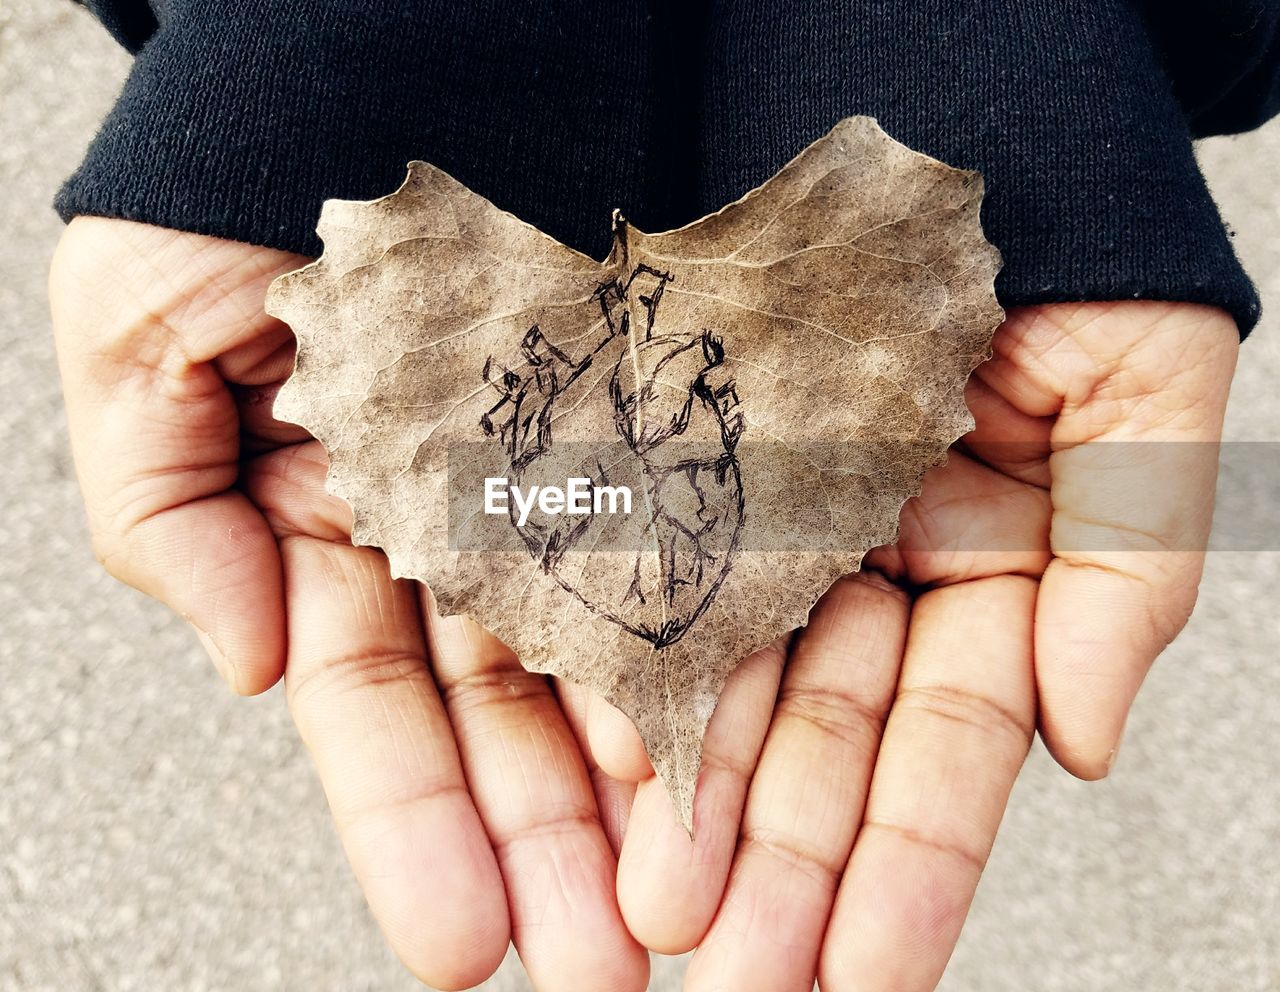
x: 1133, y: 473
x: 141, y: 315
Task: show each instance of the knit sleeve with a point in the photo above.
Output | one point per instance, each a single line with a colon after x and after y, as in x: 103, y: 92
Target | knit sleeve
x: 241, y: 117
x: 1079, y: 113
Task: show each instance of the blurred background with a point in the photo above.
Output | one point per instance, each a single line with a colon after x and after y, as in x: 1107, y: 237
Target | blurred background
x: 158, y: 834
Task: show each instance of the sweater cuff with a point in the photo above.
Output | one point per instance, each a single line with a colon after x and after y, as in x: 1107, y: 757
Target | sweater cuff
x: 240, y: 118
x: 1092, y: 188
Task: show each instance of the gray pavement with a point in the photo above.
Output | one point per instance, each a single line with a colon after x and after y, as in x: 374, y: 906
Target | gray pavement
x: 157, y: 834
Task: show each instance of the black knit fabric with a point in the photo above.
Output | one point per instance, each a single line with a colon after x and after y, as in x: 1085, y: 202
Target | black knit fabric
x: 240, y: 117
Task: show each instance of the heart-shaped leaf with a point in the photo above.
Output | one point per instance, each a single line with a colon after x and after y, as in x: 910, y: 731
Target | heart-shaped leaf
x: 768, y: 385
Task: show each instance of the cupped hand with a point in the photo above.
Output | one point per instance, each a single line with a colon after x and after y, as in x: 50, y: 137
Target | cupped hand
x: 854, y: 775
x: 456, y: 782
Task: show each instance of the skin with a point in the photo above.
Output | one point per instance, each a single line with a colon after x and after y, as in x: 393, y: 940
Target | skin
x: 854, y: 774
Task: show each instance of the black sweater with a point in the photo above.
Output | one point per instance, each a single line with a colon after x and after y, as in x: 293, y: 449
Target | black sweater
x: 241, y: 116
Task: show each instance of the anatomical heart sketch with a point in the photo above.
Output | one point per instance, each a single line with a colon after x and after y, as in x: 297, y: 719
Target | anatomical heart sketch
x: 664, y: 400
x: 717, y: 421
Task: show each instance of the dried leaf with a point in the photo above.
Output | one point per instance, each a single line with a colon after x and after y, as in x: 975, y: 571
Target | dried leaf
x: 772, y: 382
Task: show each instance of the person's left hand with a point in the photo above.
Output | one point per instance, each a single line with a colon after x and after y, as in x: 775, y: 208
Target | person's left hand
x: 840, y: 834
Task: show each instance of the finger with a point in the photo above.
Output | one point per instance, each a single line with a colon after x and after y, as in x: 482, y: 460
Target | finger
x: 255, y: 373
x: 970, y: 521
x: 958, y: 732
x: 615, y: 800
x: 287, y: 486
x: 533, y: 793
x: 806, y: 799
x: 1133, y: 488
x: 1011, y: 441
x: 1105, y: 611
x: 614, y: 797
x: 669, y: 884
x: 360, y: 691
x: 140, y: 316
x: 259, y: 429
x: 615, y: 741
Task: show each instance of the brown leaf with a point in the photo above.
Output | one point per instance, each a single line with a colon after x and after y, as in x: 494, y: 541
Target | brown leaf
x: 771, y: 382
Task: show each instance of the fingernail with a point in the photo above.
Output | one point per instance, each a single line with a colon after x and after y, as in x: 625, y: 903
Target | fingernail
x: 1111, y: 758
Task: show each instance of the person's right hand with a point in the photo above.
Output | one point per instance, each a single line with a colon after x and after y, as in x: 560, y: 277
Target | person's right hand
x: 458, y: 786
x: 854, y: 776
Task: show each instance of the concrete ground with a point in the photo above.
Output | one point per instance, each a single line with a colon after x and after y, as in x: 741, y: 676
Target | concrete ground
x: 157, y: 834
